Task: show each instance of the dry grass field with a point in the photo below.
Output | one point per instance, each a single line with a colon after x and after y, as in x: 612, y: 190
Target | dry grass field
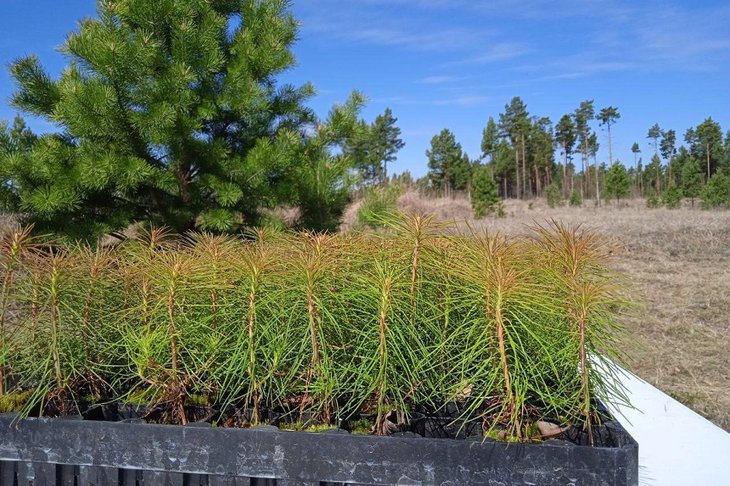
x: 678, y: 262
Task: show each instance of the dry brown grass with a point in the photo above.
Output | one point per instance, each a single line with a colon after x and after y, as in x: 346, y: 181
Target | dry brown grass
x: 679, y: 265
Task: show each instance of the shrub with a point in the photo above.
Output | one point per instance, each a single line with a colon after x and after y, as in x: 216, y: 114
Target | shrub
x: 618, y: 181
x: 554, y: 195
x: 484, y: 194
x: 378, y: 205
x: 575, y: 199
x: 716, y: 193
x: 652, y: 200
x: 672, y: 197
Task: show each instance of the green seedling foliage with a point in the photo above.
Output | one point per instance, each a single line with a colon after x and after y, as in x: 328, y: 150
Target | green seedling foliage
x: 318, y: 328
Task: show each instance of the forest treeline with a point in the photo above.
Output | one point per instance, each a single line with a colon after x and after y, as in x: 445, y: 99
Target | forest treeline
x: 171, y: 114
x: 528, y: 156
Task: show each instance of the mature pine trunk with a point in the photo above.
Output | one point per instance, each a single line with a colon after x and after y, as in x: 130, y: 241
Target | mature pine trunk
x: 524, y: 165
x: 610, y: 150
x: 584, y: 182
x: 517, y: 172
x: 565, y: 170
x: 708, y: 162
x: 598, y: 190
x: 637, y: 186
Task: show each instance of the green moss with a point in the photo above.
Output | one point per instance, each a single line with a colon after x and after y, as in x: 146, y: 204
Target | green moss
x: 533, y: 433
x: 91, y: 398
x: 300, y: 427
x: 198, y: 400
x: 361, y: 427
x: 14, y: 402
x: 500, y: 435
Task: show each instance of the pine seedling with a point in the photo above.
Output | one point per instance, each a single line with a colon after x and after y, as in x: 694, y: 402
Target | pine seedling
x: 316, y: 258
x: 387, y: 347
x: 216, y: 253
x: 415, y: 233
x: 15, y: 246
x: 495, y: 357
x: 255, y: 336
x: 592, y: 296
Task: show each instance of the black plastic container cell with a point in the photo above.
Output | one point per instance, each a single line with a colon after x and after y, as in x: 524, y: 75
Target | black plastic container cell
x: 43, y: 451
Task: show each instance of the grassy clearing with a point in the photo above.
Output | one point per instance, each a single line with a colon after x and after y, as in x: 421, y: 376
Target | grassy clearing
x: 678, y: 265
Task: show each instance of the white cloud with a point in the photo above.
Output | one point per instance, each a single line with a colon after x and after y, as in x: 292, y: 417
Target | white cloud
x: 439, y: 79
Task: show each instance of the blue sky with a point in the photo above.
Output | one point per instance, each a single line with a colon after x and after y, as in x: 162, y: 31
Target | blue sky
x: 453, y: 63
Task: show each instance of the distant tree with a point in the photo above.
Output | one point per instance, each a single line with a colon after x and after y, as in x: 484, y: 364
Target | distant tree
x: 725, y: 161
x: 709, y: 141
x: 672, y: 197
x: 541, y: 148
x: 593, y: 146
x: 652, y: 200
x: 503, y: 163
x: 358, y: 148
x: 575, y: 199
x: 372, y: 146
x: 490, y: 140
x: 608, y: 116
x: 668, y: 149
x: 692, y: 179
x: 655, y: 133
x: 654, y: 174
x: 404, y: 179
x: 16, y: 138
x: 445, y: 159
x: 565, y: 135
x: 387, y: 140
x: 716, y: 193
x: 637, y: 172
x: 636, y: 151
x: 582, y: 117
x: 16, y: 142
x: 484, y: 197
x: 514, y: 123
x: 618, y: 182
x: 553, y: 196
x: 461, y: 173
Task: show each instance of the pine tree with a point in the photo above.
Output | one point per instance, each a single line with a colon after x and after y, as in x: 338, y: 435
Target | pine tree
x: 484, y: 197
x: 672, y: 197
x: 514, y: 123
x: 708, y: 137
x: 170, y: 113
x: 553, y: 196
x: 583, y: 116
x: 541, y: 148
x: 565, y: 136
x: 668, y: 149
x: 636, y: 150
x: 490, y: 139
x: 372, y: 147
x: 446, y: 163
x: 608, y: 116
x: 16, y: 142
x: 654, y: 173
x: 618, y: 182
x: 654, y: 133
x: 716, y: 193
x: 692, y: 179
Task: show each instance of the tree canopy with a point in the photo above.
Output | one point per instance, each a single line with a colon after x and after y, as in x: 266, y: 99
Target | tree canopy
x: 170, y: 112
